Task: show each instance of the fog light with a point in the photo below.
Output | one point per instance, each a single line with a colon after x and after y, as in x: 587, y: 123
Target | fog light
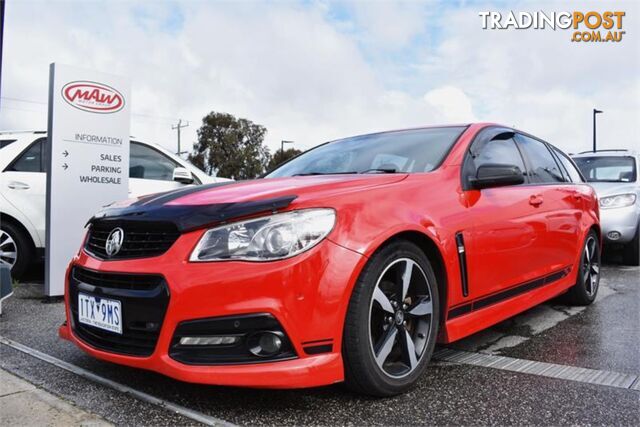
x: 215, y: 340
x: 265, y: 344
x: 613, y: 235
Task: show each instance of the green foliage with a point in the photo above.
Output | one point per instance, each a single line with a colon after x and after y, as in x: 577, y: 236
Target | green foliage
x: 282, y: 156
x: 230, y: 147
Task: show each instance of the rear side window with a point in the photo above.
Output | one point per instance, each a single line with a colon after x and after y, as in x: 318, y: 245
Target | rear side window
x: 568, y: 166
x: 32, y: 159
x: 5, y: 142
x: 543, y: 167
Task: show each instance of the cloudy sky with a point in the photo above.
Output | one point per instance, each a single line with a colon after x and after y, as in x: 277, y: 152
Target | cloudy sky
x: 312, y: 71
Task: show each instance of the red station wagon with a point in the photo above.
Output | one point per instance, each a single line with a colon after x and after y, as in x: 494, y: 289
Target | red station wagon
x: 348, y: 263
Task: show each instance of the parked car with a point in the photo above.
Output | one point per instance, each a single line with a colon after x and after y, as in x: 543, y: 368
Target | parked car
x: 347, y: 263
x: 614, y: 176
x: 152, y: 169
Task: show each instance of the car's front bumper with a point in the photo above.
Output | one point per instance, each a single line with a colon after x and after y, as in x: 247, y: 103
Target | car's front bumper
x: 619, y: 225
x: 307, y: 294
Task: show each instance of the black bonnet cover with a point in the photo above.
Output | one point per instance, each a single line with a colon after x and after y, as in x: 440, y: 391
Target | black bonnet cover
x: 186, y: 218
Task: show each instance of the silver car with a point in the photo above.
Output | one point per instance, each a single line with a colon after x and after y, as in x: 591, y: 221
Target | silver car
x: 614, y: 176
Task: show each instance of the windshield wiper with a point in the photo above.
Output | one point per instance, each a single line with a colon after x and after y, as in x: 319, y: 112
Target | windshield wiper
x: 381, y: 170
x: 323, y: 173
x: 374, y: 170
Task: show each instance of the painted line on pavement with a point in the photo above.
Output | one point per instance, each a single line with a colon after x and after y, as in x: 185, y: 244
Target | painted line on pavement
x: 140, y: 395
x: 543, y: 369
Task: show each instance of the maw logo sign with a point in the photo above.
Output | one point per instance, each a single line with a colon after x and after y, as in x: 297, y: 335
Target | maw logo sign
x: 92, y: 97
x: 599, y: 27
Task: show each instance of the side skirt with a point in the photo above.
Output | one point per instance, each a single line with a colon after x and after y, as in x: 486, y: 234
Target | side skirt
x: 468, y: 318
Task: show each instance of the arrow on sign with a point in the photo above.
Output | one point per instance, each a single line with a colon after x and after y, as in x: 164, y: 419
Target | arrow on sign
x: 65, y: 166
x: 65, y: 153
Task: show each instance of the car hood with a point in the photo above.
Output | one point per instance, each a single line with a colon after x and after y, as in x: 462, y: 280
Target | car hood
x: 301, y: 186
x: 196, y: 207
x: 604, y: 189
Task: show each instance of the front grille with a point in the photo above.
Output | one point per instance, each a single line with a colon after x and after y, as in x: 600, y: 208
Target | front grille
x: 144, y: 299
x: 141, y: 239
x: 117, y: 281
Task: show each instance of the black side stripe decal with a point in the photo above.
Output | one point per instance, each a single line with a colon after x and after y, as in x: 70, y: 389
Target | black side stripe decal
x: 484, y: 302
x: 459, y: 311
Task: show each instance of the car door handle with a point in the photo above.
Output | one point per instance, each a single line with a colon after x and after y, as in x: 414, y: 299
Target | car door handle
x: 15, y: 185
x: 536, y: 200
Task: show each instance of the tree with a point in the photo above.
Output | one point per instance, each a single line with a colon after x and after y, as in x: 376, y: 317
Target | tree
x: 280, y: 157
x: 230, y: 147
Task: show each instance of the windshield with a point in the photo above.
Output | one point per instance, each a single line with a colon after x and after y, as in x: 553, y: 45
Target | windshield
x: 408, y: 151
x: 607, y: 169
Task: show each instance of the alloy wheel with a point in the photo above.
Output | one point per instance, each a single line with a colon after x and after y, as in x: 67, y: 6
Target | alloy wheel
x: 591, y: 266
x: 400, y: 316
x: 8, y: 249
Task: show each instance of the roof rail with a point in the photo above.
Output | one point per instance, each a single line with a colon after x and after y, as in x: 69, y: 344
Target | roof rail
x: 7, y: 132
x: 607, y: 149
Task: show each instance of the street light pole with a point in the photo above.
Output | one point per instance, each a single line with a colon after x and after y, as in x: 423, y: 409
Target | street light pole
x: 595, y: 111
x: 282, y: 144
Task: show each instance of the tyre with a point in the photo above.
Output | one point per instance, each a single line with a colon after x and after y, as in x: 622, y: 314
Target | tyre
x: 16, y: 249
x: 586, y: 288
x: 631, y: 251
x: 392, y: 321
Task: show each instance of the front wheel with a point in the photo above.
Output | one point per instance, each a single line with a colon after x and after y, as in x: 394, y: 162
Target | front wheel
x: 392, y: 321
x: 15, y: 249
x: 631, y: 254
x: 586, y: 288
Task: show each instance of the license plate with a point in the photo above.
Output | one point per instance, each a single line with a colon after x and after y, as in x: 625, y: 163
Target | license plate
x: 102, y: 313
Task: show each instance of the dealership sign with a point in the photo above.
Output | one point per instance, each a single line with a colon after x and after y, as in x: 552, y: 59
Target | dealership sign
x: 89, y: 122
x: 93, y: 97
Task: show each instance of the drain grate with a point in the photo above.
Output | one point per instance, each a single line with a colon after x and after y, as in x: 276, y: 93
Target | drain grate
x: 551, y: 370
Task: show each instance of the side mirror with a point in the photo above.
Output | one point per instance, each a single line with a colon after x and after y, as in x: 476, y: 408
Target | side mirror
x: 496, y: 175
x: 182, y: 175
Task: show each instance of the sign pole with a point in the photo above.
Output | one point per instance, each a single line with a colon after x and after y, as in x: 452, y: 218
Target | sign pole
x: 47, y: 242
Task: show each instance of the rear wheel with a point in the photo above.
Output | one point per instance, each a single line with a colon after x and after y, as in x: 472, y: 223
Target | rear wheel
x: 392, y: 322
x: 631, y: 251
x: 586, y: 288
x: 15, y: 249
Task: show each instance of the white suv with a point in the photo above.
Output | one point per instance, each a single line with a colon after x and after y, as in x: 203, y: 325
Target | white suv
x: 152, y: 169
x: 614, y: 176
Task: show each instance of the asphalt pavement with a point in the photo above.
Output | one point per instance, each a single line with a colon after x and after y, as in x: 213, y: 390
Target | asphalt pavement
x: 604, y: 337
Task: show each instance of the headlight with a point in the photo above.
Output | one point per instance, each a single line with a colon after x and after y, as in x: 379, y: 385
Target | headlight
x: 266, y: 238
x: 617, y: 201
